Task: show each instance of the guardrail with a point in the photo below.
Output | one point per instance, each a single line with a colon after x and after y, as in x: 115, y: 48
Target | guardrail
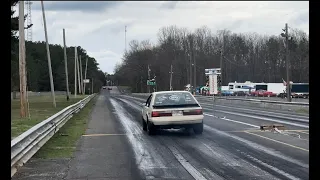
x: 28, y: 143
x: 244, y: 99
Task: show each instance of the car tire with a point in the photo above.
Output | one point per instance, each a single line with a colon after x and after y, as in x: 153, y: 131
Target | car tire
x: 198, y: 128
x: 150, y: 128
x: 144, y: 124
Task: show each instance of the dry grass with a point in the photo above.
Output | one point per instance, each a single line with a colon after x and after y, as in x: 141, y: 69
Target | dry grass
x: 40, y: 109
x: 63, y: 143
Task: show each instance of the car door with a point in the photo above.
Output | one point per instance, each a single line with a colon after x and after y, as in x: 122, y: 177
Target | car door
x: 145, y: 107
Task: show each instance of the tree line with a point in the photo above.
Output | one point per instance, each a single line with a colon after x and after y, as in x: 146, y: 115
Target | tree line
x: 37, y: 64
x: 245, y: 57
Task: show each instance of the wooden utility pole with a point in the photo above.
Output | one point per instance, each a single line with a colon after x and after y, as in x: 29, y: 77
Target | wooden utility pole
x: 81, y: 77
x: 171, y: 77
x: 65, y: 63
x: 91, y: 85
x: 148, y: 78
x: 141, y: 84
x: 125, y: 39
x: 287, y: 64
x: 22, y: 62
x: 48, y: 55
x: 221, y: 58
x: 85, y: 76
x: 190, y: 63
x: 75, y: 71
x: 194, y: 70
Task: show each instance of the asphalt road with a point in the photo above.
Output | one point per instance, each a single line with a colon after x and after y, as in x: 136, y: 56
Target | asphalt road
x: 231, y: 147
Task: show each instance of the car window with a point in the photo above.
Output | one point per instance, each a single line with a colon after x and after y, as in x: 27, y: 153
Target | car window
x: 149, y: 100
x: 174, y: 98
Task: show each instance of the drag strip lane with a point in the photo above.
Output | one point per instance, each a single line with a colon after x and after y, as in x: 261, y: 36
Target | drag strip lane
x: 149, y: 154
x: 261, y: 162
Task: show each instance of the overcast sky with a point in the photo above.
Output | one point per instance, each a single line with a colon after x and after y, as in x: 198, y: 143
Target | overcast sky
x: 98, y: 27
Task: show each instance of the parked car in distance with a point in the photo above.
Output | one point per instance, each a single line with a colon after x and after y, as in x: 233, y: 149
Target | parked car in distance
x: 172, y: 109
x: 109, y: 88
x: 264, y: 93
x: 227, y: 93
x: 103, y: 87
x: 254, y: 93
x: 239, y: 93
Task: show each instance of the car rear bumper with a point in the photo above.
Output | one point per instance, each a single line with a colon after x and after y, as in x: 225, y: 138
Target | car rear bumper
x: 177, y: 120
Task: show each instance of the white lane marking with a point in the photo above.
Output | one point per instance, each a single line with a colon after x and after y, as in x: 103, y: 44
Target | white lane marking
x: 289, y: 176
x: 193, y: 172
x: 293, y: 117
x: 140, y: 99
x: 302, y: 132
x: 147, y: 160
x: 189, y: 168
x: 138, y: 108
x: 261, y: 118
x: 226, y: 119
x: 258, y: 147
x: 225, y: 158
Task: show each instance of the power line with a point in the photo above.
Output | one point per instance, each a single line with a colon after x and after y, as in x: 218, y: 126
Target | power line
x: 234, y: 63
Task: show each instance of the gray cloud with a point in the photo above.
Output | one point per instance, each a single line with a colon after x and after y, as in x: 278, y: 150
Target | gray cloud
x: 98, y: 27
x: 83, y: 6
x: 169, y: 5
x: 302, y: 18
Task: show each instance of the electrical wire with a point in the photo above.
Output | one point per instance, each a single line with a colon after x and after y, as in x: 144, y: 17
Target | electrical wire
x: 234, y: 63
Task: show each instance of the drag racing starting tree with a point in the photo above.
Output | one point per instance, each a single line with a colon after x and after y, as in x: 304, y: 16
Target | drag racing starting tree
x: 214, y: 80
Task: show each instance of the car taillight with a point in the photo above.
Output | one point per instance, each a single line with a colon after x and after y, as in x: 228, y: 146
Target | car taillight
x: 160, y: 113
x: 193, y: 112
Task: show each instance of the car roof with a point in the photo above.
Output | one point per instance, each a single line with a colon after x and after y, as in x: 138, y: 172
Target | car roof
x: 162, y: 92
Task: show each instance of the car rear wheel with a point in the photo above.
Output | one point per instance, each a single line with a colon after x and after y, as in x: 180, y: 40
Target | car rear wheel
x: 198, y: 128
x: 144, y: 124
x: 150, y: 128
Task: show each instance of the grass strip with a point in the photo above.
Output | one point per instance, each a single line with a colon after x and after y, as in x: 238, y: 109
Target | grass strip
x: 63, y: 143
x: 40, y: 108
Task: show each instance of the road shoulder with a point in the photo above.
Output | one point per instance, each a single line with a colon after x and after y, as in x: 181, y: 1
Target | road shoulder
x: 104, y: 151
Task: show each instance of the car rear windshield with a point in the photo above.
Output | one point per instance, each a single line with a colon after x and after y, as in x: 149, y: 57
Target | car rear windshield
x: 174, y: 99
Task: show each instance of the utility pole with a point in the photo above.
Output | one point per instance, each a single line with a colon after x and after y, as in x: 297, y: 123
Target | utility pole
x: 148, y: 78
x: 75, y: 71
x: 190, y: 63
x: 194, y: 70
x: 22, y: 62
x: 155, y: 87
x: 85, y: 76
x: 91, y: 85
x: 286, y: 35
x: 171, y: 77
x: 125, y: 39
x: 141, y: 84
x: 81, y: 77
x: 49, y: 59
x: 65, y: 63
x: 221, y: 58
